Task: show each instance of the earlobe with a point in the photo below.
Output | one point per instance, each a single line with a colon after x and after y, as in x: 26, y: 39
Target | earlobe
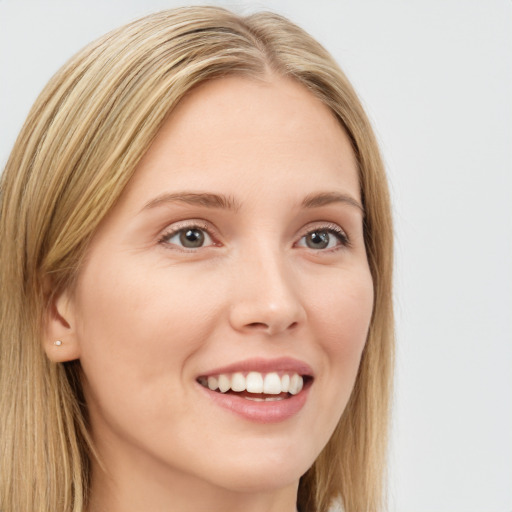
x: 60, y: 340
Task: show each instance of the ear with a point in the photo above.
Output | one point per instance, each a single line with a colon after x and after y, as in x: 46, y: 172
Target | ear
x: 60, y: 326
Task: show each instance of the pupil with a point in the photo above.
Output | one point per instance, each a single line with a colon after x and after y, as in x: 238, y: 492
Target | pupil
x: 192, y: 238
x: 318, y: 240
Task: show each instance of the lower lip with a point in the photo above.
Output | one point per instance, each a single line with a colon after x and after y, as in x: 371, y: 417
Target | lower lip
x: 260, y: 412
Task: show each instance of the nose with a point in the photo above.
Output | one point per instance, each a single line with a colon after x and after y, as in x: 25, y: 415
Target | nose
x: 267, y: 298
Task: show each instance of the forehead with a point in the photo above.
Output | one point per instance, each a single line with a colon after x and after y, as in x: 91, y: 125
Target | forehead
x: 238, y: 134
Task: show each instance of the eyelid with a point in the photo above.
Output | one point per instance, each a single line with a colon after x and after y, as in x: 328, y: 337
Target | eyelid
x: 176, y: 227
x: 173, y: 229
x: 331, y: 227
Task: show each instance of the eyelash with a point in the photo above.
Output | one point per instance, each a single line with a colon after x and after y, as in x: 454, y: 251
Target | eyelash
x: 335, y: 230
x: 164, y: 239
x: 329, y: 228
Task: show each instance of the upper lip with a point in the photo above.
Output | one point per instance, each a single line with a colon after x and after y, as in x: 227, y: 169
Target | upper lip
x: 282, y: 364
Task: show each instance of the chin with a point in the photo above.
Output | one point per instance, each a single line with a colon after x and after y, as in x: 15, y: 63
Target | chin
x: 261, y: 473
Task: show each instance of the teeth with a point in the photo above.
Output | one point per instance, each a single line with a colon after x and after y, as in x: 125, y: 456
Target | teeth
x: 272, y: 384
x: 224, y: 383
x: 296, y: 384
x: 213, y: 383
x: 285, y: 383
x: 266, y: 399
x: 238, y: 382
x: 255, y: 382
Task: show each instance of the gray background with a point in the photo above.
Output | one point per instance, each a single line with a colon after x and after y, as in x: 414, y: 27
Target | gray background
x: 436, y: 79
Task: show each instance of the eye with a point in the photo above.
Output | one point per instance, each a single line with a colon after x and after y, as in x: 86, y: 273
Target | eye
x: 324, y: 238
x: 189, y: 237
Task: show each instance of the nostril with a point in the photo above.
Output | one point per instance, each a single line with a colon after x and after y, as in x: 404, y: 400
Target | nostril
x: 258, y: 325
x: 270, y: 328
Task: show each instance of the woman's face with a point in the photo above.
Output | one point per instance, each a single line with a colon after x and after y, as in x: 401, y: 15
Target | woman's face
x: 234, y: 256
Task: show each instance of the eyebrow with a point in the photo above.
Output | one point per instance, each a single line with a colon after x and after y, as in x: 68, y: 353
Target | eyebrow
x: 195, y: 199
x: 326, y: 198
x: 224, y: 202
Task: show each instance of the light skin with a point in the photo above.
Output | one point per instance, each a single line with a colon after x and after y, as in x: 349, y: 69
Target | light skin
x: 265, y: 174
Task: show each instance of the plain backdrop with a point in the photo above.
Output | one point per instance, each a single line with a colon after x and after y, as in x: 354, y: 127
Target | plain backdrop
x: 436, y: 79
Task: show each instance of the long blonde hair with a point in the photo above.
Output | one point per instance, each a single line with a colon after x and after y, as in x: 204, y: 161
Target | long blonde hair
x: 76, y: 152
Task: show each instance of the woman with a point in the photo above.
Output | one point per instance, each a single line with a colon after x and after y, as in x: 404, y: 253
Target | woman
x: 196, y: 278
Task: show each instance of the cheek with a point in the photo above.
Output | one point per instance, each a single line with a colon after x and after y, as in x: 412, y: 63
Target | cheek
x: 343, y: 312
x: 342, y: 319
x: 151, y: 309
x: 136, y: 334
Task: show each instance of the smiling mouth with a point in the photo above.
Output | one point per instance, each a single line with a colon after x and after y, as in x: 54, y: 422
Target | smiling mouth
x: 256, y: 386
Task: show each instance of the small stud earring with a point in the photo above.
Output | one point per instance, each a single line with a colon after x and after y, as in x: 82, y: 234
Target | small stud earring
x: 58, y: 343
